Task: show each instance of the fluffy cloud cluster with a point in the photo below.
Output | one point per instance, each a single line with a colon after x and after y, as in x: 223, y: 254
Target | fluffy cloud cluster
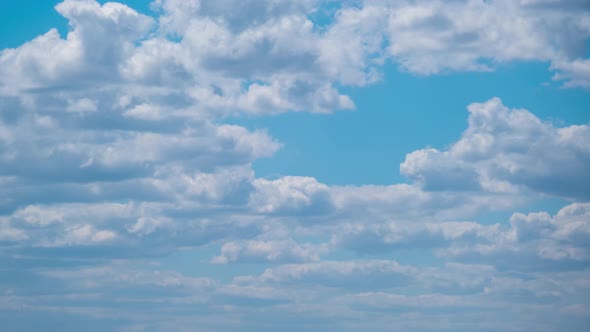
x: 432, y: 36
x: 191, y: 56
x: 535, y: 241
x: 504, y: 150
x: 273, y: 56
x: 197, y: 187
x: 575, y: 73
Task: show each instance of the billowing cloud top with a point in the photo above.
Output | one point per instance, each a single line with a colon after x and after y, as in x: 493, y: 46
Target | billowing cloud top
x: 129, y: 200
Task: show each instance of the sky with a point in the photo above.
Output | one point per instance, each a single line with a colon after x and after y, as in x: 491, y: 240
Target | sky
x: 311, y: 165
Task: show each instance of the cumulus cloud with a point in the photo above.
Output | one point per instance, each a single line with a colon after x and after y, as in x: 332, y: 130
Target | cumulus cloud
x: 575, y: 73
x: 100, y: 38
x: 116, y: 155
x: 535, y: 241
x: 290, y: 194
x: 432, y: 36
x: 286, y: 250
x: 379, y: 237
x: 262, y: 63
x: 200, y: 175
x: 111, y: 231
x: 344, y: 274
x: 505, y: 150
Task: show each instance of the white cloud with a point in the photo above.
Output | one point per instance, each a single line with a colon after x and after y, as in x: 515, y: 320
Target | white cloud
x: 535, y: 241
x: 238, y: 15
x: 134, y: 149
x: 432, y: 36
x: 575, y: 73
x: 101, y: 36
x: 290, y: 195
x: 390, y: 236
x: 504, y: 150
x: 286, y: 250
x: 86, y: 234
x: 9, y: 233
x: 380, y: 274
x: 264, y: 63
x: 195, y: 176
x: 120, y: 275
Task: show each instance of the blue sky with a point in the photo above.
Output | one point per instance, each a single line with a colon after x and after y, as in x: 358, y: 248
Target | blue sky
x: 302, y: 166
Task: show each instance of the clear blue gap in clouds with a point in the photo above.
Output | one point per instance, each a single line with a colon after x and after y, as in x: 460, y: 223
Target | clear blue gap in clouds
x: 25, y: 19
x: 403, y: 113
